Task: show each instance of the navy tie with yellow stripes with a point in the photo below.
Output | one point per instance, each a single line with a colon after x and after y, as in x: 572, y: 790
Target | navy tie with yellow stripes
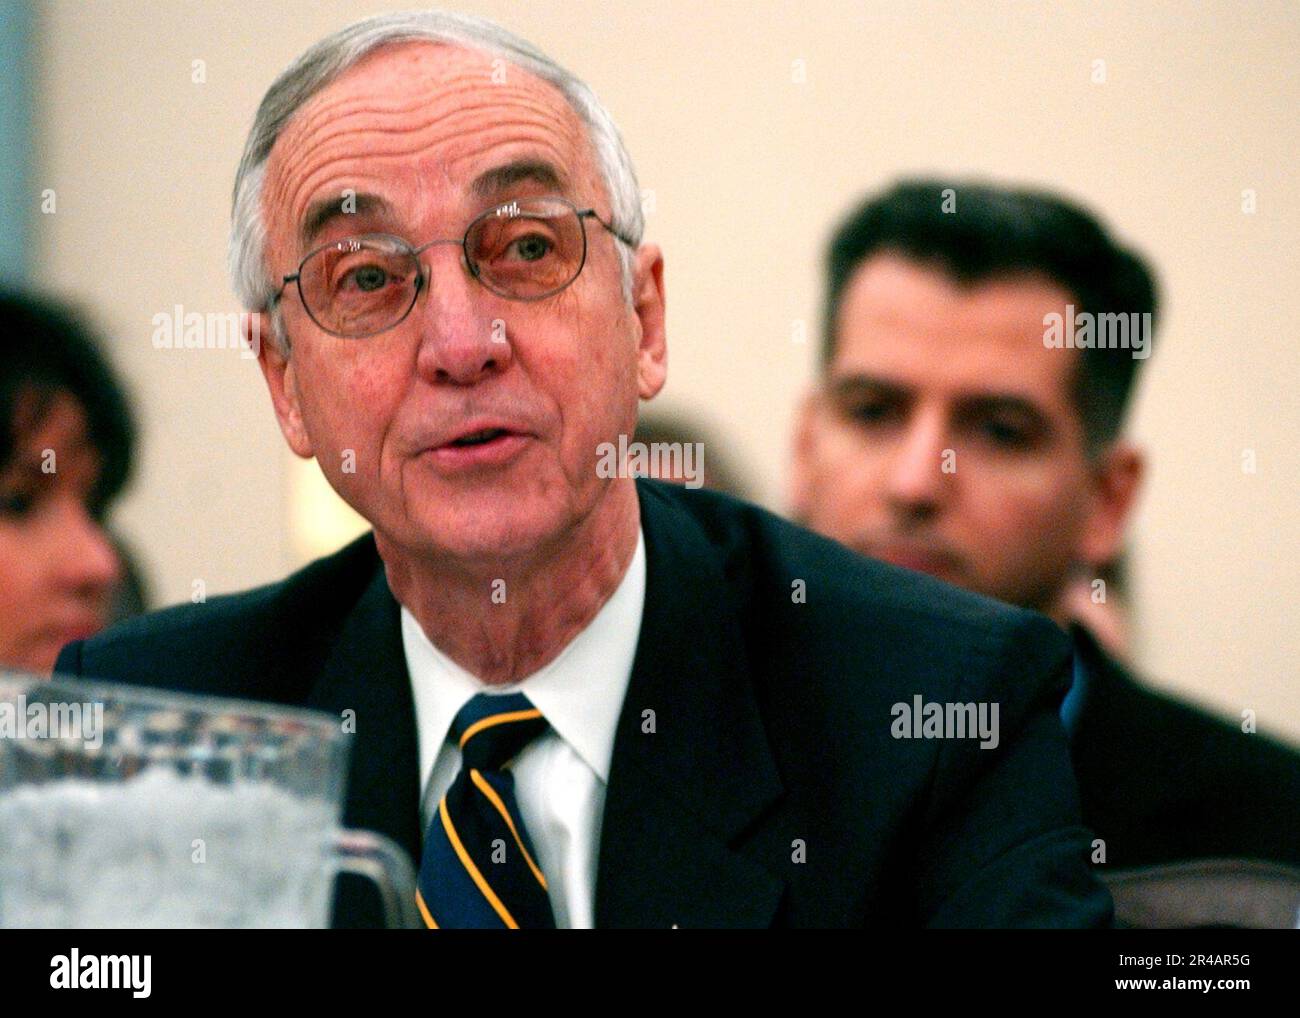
x: 478, y: 869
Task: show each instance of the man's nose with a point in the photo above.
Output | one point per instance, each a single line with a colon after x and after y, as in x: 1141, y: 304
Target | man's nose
x: 920, y: 468
x: 83, y: 556
x: 461, y: 341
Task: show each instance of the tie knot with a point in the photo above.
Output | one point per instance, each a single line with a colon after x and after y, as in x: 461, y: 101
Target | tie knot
x: 492, y: 729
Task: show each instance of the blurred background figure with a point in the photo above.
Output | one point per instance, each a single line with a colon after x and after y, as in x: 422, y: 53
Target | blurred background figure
x: 951, y: 434
x: 66, y: 440
x: 946, y: 436
x: 131, y: 594
x: 1102, y: 609
x: 674, y: 430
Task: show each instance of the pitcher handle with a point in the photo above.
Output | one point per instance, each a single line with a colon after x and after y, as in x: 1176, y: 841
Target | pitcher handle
x: 379, y: 859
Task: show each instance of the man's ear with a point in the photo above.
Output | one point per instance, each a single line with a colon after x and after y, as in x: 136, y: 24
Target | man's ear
x: 648, y: 303
x: 801, y: 453
x: 1117, y: 478
x: 281, y: 380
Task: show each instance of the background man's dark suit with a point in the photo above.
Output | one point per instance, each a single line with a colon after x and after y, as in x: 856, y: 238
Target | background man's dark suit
x: 771, y: 729
x: 1162, y: 781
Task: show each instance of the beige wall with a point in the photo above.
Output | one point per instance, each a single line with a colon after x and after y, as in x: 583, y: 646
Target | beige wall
x: 748, y: 167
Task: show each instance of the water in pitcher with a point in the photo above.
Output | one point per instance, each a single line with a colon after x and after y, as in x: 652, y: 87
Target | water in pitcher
x: 162, y: 850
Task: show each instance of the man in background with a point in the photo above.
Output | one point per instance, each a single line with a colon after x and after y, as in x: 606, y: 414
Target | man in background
x: 981, y: 345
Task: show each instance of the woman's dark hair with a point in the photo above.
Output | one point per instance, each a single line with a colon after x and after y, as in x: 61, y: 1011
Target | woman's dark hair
x: 46, y: 350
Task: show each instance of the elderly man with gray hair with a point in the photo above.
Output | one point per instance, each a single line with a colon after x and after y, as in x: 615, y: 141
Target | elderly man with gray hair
x: 580, y: 699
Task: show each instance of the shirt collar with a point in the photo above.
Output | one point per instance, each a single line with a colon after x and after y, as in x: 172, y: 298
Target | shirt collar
x: 580, y: 693
x: 1072, y: 705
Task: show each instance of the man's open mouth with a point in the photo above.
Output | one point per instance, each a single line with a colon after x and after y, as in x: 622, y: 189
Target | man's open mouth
x: 479, y: 437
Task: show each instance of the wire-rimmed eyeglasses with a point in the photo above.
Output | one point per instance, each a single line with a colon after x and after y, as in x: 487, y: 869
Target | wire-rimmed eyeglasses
x: 525, y: 249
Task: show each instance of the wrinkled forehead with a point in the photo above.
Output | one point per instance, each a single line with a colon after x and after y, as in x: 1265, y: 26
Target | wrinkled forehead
x: 420, y: 123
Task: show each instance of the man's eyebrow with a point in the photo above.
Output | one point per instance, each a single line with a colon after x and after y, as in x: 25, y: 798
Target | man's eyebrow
x: 502, y: 178
x: 862, y: 385
x: 983, y: 405
x: 998, y: 402
x: 847, y: 386
x: 323, y: 211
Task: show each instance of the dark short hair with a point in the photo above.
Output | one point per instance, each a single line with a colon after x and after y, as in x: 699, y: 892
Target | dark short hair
x: 978, y: 231
x: 46, y: 350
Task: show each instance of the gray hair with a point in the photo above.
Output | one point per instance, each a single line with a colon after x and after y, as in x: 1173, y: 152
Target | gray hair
x: 333, y: 55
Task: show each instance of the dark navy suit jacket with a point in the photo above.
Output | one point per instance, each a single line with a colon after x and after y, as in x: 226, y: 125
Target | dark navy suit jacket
x: 771, y: 791
x: 1162, y: 781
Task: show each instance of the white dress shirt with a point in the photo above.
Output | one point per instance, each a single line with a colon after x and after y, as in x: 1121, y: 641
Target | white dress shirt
x: 560, y: 777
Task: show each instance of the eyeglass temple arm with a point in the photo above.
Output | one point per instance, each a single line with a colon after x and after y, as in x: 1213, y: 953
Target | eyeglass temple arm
x: 593, y: 214
x: 275, y: 297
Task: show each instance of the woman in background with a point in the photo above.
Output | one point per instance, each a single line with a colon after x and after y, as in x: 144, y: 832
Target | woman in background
x: 66, y: 439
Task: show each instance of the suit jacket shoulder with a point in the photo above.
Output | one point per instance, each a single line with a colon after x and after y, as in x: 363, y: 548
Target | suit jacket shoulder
x: 1165, y: 781
x: 800, y: 594
x: 262, y: 644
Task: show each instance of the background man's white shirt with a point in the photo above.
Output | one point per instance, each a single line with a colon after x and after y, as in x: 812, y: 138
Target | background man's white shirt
x: 560, y: 777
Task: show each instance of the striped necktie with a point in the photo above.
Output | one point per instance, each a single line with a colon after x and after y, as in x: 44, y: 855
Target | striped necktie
x: 478, y: 869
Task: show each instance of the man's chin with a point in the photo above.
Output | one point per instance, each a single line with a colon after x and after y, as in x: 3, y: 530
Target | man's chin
x: 495, y: 530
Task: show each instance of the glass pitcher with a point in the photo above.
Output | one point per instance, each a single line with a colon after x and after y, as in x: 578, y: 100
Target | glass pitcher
x: 124, y: 807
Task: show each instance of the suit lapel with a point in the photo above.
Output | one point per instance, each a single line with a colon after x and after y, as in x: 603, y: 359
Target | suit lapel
x: 366, y: 673
x: 679, y: 796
